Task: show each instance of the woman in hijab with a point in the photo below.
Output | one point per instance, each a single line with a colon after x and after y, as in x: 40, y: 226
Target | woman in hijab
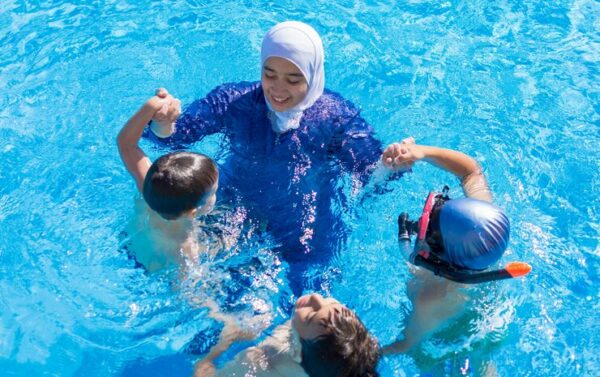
x: 290, y: 142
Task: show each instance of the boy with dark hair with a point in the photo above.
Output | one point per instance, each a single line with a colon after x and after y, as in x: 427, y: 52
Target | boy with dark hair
x: 323, y: 339
x: 177, y: 187
x: 178, y: 182
x: 345, y: 349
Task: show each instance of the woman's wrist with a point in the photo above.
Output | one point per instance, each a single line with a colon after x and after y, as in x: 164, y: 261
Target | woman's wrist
x: 161, y: 129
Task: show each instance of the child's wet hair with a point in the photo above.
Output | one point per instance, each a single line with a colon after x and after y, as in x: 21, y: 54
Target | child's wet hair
x: 178, y: 182
x: 346, y: 350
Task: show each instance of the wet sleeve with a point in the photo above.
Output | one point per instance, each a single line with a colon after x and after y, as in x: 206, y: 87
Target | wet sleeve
x: 357, y: 148
x: 202, y: 117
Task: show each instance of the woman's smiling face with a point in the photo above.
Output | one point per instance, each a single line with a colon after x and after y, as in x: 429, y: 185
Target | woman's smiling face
x: 283, y: 83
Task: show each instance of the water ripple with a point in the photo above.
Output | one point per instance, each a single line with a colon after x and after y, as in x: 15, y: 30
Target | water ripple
x: 513, y: 83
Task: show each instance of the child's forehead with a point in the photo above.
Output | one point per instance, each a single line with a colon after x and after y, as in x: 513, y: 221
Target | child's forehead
x: 336, y: 313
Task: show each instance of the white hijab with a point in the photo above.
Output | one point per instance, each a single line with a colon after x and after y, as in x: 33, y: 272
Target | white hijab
x: 301, y: 45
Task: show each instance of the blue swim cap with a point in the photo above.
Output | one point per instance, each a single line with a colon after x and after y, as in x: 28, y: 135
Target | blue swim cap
x: 475, y: 233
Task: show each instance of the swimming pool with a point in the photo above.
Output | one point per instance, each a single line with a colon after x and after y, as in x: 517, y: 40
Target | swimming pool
x: 513, y: 83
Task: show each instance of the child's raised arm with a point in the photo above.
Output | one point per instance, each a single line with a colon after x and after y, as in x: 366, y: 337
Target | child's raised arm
x: 134, y: 158
x: 462, y: 166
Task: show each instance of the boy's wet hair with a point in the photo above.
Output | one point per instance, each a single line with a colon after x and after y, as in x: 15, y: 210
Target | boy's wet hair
x: 178, y: 182
x: 346, y: 350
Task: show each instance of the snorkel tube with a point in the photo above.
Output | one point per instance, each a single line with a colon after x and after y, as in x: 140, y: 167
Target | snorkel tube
x: 443, y: 269
x: 434, y: 261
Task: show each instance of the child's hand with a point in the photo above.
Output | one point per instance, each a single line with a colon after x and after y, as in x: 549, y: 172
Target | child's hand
x: 168, y: 108
x: 232, y: 332
x: 401, y: 156
x: 166, y: 111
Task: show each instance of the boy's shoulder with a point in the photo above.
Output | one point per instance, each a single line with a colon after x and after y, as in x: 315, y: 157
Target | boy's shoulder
x: 154, y: 242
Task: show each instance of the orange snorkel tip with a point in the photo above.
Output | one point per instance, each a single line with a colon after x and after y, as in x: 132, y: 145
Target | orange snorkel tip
x: 517, y: 269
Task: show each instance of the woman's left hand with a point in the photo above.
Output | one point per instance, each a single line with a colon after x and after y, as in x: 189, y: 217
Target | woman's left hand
x: 170, y: 109
x: 401, y: 156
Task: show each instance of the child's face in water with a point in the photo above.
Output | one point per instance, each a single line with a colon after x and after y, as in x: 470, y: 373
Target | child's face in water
x: 310, y: 313
x: 283, y: 83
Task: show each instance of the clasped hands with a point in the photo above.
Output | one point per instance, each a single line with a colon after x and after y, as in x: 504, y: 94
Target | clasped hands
x: 402, y: 156
x: 168, y: 108
x: 397, y: 156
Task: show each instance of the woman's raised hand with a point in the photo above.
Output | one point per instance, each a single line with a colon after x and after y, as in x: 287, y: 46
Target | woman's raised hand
x: 171, y: 108
x: 164, y: 119
x: 401, y: 156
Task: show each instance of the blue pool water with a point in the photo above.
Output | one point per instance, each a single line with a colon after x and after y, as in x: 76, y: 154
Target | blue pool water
x: 513, y: 83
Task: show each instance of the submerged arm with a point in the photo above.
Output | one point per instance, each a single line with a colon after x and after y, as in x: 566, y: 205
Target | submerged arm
x: 230, y: 334
x: 435, y: 301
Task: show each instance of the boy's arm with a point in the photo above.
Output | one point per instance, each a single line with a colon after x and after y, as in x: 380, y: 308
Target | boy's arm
x: 230, y: 334
x: 457, y: 163
x: 435, y: 301
x: 134, y: 158
x: 201, y: 118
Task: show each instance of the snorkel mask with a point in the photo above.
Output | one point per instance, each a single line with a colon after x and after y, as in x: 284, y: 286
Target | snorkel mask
x: 430, y: 251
